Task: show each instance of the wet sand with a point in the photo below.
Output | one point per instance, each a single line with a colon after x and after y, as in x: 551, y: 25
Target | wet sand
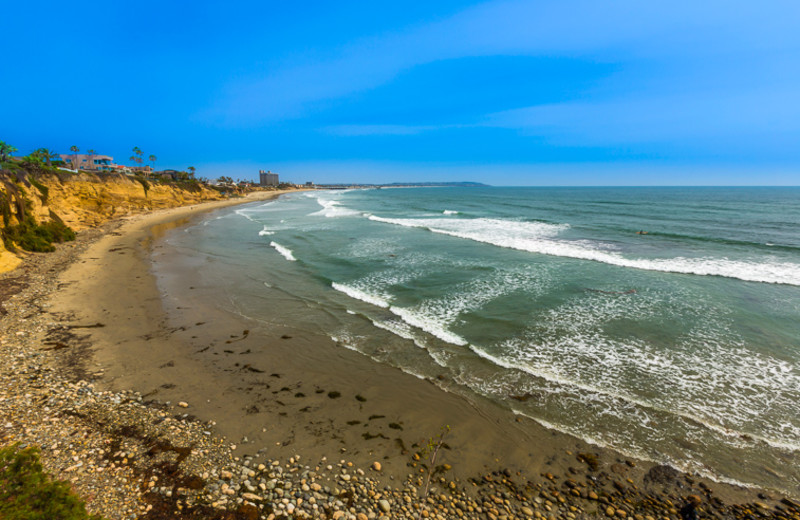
x: 278, y: 392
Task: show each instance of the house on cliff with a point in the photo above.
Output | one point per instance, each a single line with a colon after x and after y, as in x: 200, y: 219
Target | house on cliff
x: 91, y: 162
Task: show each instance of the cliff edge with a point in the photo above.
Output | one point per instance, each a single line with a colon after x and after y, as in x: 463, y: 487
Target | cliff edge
x: 42, y: 205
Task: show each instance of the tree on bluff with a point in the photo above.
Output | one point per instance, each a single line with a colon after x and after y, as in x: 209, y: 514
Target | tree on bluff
x: 6, y: 150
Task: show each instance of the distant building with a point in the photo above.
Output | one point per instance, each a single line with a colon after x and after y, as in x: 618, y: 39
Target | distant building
x: 267, y: 178
x: 84, y: 161
x: 172, y: 174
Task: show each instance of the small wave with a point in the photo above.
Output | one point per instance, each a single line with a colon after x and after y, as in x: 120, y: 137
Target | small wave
x: 287, y: 253
x: 245, y: 214
x: 635, y: 454
x: 415, y: 319
x: 265, y: 232
x: 361, y: 295
x: 720, y: 240
x: 538, y: 237
x: 626, y: 397
x: 344, y: 340
x: 399, y: 329
x: 449, y: 212
x: 209, y: 221
x: 333, y: 209
x: 429, y: 325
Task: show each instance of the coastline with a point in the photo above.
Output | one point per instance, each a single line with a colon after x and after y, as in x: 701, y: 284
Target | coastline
x: 153, y: 352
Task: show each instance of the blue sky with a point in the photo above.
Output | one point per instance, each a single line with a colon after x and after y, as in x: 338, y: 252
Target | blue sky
x: 566, y: 92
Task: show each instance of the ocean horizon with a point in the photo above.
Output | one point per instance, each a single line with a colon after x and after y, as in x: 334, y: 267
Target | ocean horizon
x: 662, y: 322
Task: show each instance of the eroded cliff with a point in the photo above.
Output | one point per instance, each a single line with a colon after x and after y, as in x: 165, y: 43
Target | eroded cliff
x: 41, y: 205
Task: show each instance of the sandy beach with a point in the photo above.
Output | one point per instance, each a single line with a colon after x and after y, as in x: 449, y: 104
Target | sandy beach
x: 271, y: 394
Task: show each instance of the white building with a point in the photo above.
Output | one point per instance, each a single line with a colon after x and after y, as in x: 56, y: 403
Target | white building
x: 267, y: 178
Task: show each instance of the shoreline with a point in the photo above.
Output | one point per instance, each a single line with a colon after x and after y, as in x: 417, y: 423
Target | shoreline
x: 149, y: 353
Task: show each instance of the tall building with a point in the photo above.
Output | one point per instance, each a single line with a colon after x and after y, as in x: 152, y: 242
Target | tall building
x: 267, y: 178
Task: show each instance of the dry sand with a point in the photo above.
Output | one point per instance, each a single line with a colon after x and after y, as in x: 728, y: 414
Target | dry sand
x: 281, y: 392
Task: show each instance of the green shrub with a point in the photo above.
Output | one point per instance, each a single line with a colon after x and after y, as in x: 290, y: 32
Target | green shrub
x: 39, y: 238
x: 28, y: 493
x: 5, y: 208
x: 44, y: 190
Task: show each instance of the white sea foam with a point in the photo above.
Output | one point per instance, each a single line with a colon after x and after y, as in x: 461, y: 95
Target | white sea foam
x: 361, y: 295
x: 437, y: 316
x: 345, y: 342
x: 540, y: 238
x: 687, y: 466
x: 370, y: 248
x: 333, y: 208
x: 246, y: 214
x: 429, y: 324
x: 450, y: 212
x: 265, y: 232
x: 287, y: 253
x: 398, y: 328
x: 344, y: 339
x: 207, y: 222
x: 740, y: 390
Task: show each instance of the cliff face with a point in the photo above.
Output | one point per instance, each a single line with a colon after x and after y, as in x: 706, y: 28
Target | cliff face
x: 87, y: 200
x: 53, y: 197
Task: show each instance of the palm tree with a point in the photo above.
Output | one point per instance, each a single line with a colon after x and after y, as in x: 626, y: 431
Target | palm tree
x: 43, y: 154
x: 153, y: 159
x: 6, y: 150
x: 91, y: 158
x: 191, y: 171
x: 137, y: 156
x: 74, y: 149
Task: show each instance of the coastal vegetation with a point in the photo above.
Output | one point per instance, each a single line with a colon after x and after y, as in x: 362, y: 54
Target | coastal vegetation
x: 5, y: 151
x: 43, y: 201
x: 29, y: 235
x: 20, y: 229
x: 28, y: 493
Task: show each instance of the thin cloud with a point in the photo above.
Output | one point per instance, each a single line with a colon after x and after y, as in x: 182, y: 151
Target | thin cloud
x: 365, y: 130
x: 621, y: 30
x: 709, y: 115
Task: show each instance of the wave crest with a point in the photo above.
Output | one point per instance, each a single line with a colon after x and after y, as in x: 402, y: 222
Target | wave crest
x: 285, y: 252
x: 541, y: 238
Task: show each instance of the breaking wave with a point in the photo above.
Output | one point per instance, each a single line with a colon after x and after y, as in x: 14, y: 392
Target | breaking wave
x: 537, y: 237
x: 286, y: 253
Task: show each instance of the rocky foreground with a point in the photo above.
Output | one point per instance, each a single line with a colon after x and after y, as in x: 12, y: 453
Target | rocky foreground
x: 133, y: 458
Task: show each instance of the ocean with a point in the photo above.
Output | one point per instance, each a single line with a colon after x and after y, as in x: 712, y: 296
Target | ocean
x: 661, y: 322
